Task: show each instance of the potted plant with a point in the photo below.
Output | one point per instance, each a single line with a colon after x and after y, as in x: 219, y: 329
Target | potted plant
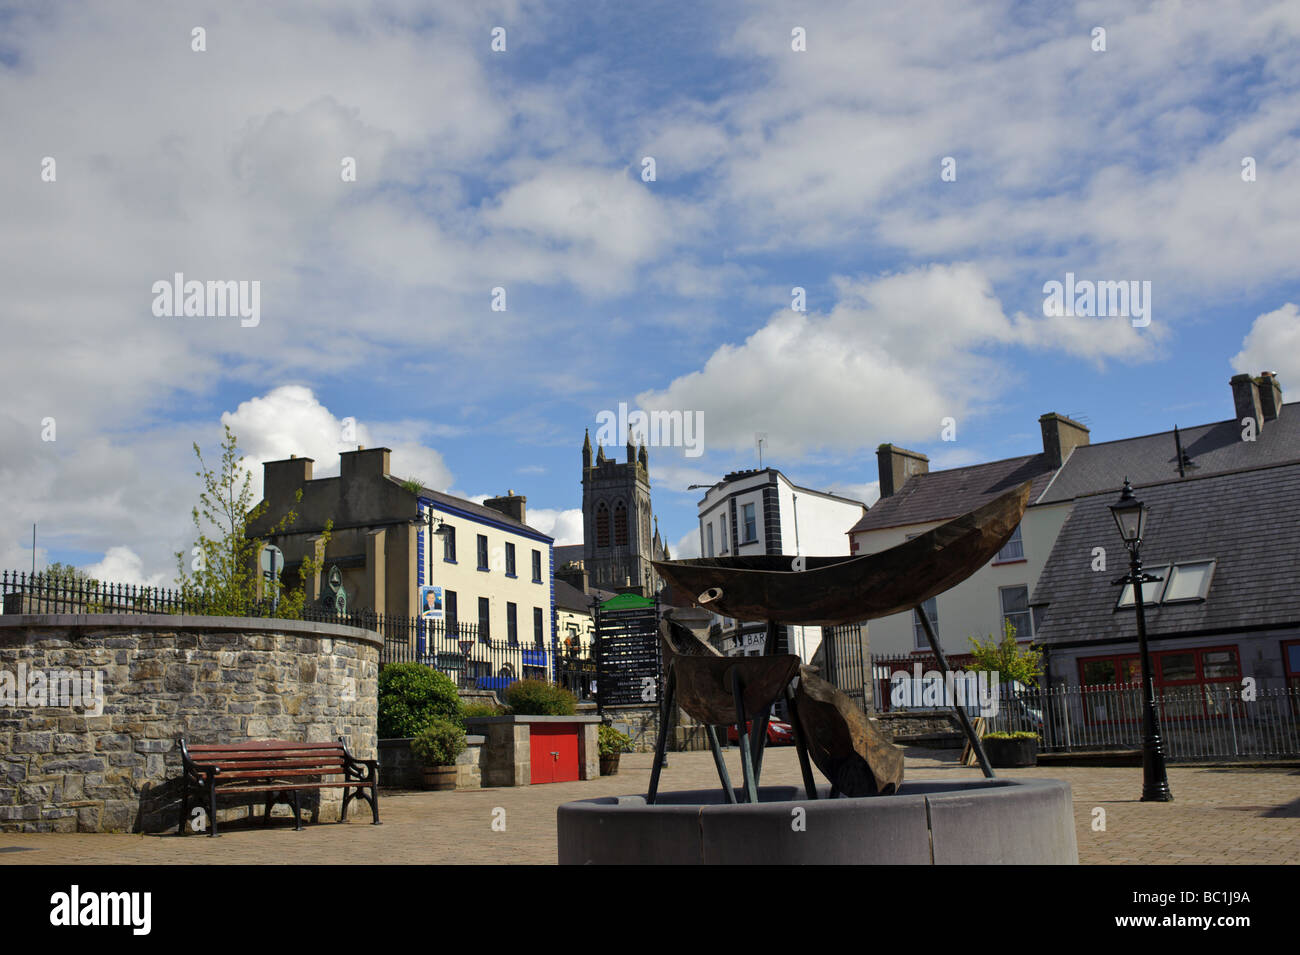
x: 611, y: 744
x: 437, y: 746
x: 1009, y: 750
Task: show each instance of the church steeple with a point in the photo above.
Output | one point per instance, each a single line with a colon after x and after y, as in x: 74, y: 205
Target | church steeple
x: 600, y: 454
x: 586, y: 449
x: 631, y: 449
x: 643, y: 458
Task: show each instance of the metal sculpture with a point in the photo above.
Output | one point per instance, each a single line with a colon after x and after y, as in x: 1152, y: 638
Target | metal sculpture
x: 830, y: 730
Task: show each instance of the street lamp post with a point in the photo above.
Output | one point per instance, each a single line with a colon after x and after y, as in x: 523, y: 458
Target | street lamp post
x: 1130, y: 517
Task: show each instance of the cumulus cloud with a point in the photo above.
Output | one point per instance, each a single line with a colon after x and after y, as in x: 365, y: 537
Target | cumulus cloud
x: 688, y: 545
x: 1272, y: 344
x: 564, y: 525
x: 291, y: 420
x: 894, y: 356
x: 121, y: 565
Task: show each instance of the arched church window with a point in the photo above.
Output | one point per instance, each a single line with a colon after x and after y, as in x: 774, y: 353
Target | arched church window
x: 620, y: 524
x: 602, y: 525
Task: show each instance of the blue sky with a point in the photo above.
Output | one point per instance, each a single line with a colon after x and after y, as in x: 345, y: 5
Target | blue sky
x: 521, y: 169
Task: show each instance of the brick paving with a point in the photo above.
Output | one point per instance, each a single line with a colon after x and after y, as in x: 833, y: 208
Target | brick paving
x: 1247, y: 816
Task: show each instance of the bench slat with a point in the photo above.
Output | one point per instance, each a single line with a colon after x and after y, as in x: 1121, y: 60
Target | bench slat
x: 264, y: 763
x: 272, y: 788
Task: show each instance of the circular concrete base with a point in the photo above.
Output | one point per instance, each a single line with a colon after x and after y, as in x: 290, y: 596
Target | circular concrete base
x: 977, y: 822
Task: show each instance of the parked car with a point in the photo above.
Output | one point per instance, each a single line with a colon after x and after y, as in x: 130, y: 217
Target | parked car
x: 779, y: 733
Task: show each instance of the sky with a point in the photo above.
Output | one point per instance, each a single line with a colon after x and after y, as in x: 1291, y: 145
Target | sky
x: 502, y: 268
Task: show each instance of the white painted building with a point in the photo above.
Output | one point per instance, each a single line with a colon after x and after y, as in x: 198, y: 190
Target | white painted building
x: 763, y: 512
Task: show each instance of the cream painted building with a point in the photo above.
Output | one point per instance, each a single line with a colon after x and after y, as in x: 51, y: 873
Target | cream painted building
x: 495, y: 572
x: 914, y: 500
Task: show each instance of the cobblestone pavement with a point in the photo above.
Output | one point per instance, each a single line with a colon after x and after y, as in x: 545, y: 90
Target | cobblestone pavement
x: 1219, y: 816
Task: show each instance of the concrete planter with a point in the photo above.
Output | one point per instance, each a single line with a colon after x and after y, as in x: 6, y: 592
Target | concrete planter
x: 1011, y: 753
x: 511, y: 742
x: 979, y: 822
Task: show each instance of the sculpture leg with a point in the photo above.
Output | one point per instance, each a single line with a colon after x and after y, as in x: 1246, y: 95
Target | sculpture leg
x: 661, y: 743
x: 801, y: 744
x: 723, y: 775
x: 975, y: 742
x: 746, y: 763
x: 759, y: 741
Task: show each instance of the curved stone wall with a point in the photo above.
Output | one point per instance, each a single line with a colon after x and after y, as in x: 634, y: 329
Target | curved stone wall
x: 100, y: 754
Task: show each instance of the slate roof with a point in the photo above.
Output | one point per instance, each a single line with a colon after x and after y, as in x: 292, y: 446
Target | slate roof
x: 477, y: 510
x: 567, y: 552
x: 941, y: 495
x: 569, y: 597
x: 1150, y: 458
x: 1245, y: 520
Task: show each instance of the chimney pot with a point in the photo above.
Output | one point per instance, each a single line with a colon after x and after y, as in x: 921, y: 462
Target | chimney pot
x: 1270, y: 395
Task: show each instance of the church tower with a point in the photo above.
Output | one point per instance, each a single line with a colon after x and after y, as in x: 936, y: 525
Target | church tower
x: 617, y: 522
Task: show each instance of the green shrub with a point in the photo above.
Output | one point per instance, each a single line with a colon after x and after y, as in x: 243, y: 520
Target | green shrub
x: 1015, y: 734
x: 439, y: 743
x: 481, y: 709
x: 612, y: 742
x: 539, y: 698
x: 410, y: 695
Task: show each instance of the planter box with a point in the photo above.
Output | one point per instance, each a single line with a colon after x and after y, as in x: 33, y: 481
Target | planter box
x: 523, y: 750
x: 399, y: 769
x: 1011, y: 753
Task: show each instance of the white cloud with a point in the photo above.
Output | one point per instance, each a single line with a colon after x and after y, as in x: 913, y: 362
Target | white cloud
x: 121, y: 565
x: 894, y: 356
x: 564, y: 525
x: 1273, y: 344
x: 687, y: 546
x: 291, y: 420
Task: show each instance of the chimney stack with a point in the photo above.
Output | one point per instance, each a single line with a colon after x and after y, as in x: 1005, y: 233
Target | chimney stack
x: 1270, y: 395
x: 575, y: 577
x: 362, y: 463
x: 1246, y: 400
x: 1061, y: 435
x: 897, y: 465
x: 512, y: 505
x: 281, y: 479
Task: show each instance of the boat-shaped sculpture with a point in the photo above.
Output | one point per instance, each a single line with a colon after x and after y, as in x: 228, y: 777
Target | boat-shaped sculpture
x: 828, y: 591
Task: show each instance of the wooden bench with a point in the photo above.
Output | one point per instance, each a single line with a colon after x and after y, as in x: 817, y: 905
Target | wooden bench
x: 279, y: 768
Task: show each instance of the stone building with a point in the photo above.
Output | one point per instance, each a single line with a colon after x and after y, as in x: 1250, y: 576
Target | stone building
x: 620, y: 533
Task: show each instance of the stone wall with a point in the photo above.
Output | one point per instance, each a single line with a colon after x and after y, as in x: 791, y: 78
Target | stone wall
x: 937, y: 729
x: 207, y: 679
x: 642, y: 724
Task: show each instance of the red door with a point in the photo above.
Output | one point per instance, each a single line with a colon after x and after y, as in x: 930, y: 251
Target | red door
x: 553, y: 749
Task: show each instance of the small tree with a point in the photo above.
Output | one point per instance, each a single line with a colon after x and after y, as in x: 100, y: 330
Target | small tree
x: 1007, y: 659
x: 222, y: 577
